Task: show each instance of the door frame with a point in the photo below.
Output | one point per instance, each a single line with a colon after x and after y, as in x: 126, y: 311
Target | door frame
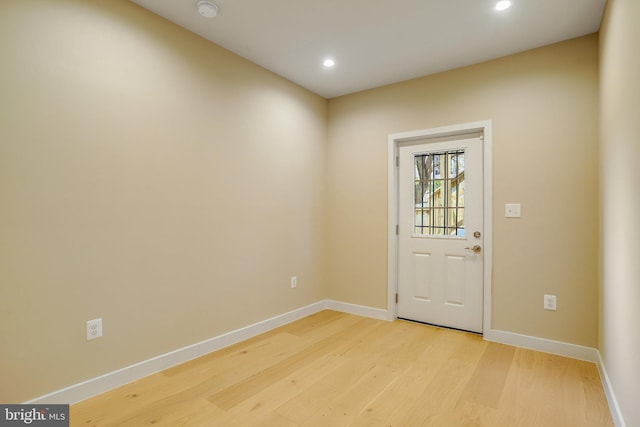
x: 396, y: 139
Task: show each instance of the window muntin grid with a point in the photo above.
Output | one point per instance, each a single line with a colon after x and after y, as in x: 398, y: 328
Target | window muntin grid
x: 439, y: 194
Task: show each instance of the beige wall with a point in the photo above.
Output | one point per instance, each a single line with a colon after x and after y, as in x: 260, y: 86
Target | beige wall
x: 620, y: 183
x: 149, y: 178
x: 544, y: 108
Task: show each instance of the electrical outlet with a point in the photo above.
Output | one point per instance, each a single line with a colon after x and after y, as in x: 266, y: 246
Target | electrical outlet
x: 550, y: 302
x: 294, y: 282
x: 94, y: 329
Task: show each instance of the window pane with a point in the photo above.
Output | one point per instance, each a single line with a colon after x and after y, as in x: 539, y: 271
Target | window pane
x: 437, y: 193
x: 439, y: 220
x: 438, y: 163
x: 453, y: 165
x: 422, y: 221
x: 456, y: 195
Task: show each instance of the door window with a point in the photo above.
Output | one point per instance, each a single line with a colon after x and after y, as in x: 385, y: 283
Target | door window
x: 439, y: 194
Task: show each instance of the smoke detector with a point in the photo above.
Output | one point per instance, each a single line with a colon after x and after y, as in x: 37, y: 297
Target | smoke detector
x: 207, y: 9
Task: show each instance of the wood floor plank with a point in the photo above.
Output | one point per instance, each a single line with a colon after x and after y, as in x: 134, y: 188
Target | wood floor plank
x: 128, y: 399
x: 263, y: 404
x: 224, y: 372
x: 593, y: 403
x: 487, y: 382
x: 235, y: 355
x: 336, y: 369
x: 314, y: 322
x: 345, y: 407
x: 329, y: 340
x: 445, y: 388
x: 396, y: 400
x: 191, y: 413
x: 312, y: 400
x: 422, y: 351
x: 542, y: 390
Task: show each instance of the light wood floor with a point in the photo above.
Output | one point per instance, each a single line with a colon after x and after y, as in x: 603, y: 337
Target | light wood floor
x: 335, y: 369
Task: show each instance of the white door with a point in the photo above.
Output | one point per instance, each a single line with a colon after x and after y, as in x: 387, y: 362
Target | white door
x: 440, y: 234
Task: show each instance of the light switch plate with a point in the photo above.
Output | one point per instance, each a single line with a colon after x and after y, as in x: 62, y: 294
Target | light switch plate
x: 512, y: 210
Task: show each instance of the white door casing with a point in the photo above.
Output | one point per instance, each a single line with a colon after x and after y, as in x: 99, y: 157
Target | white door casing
x: 439, y: 274
x: 435, y: 279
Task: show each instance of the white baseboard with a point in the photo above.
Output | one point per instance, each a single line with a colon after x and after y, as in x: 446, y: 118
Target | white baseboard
x: 359, y: 310
x: 614, y: 407
x: 541, y: 344
x: 103, y: 383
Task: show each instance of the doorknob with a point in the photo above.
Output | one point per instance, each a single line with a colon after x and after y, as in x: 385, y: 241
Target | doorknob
x: 475, y: 249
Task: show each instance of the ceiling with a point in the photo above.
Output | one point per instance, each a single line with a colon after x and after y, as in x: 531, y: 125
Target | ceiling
x: 378, y: 42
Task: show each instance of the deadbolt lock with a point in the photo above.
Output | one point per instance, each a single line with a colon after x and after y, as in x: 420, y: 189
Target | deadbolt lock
x: 477, y: 234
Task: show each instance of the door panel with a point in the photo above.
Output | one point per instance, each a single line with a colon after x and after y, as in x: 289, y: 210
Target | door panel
x: 440, y: 276
x: 455, y: 280
x: 422, y: 276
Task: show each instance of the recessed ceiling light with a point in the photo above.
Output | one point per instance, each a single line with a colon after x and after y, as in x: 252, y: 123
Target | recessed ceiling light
x: 207, y: 9
x: 328, y: 63
x: 503, y: 4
